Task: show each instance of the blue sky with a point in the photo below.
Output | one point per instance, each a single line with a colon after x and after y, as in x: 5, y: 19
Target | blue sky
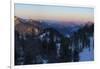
x: 54, y: 12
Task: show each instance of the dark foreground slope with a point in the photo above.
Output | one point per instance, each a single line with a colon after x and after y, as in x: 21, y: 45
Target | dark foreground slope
x: 38, y: 42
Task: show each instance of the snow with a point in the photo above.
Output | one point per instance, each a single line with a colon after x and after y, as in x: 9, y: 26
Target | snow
x: 45, y: 61
x: 58, y: 49
x: 88, y: 53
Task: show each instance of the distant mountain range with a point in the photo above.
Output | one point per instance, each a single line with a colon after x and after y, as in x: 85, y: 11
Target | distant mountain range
x: 30, y: 25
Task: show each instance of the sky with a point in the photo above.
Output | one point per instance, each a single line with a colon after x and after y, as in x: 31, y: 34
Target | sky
x: 63, y: 13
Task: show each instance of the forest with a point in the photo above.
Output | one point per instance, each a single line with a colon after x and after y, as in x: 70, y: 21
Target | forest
x: 40, y: 42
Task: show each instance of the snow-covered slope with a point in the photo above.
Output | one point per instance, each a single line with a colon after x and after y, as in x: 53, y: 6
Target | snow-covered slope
x: 88, y: 53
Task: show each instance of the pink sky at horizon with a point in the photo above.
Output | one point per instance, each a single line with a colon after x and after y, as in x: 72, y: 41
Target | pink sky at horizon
x: 41, y: 12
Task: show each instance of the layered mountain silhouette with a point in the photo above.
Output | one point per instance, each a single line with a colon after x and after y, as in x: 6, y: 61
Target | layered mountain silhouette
x: 47, y: 41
